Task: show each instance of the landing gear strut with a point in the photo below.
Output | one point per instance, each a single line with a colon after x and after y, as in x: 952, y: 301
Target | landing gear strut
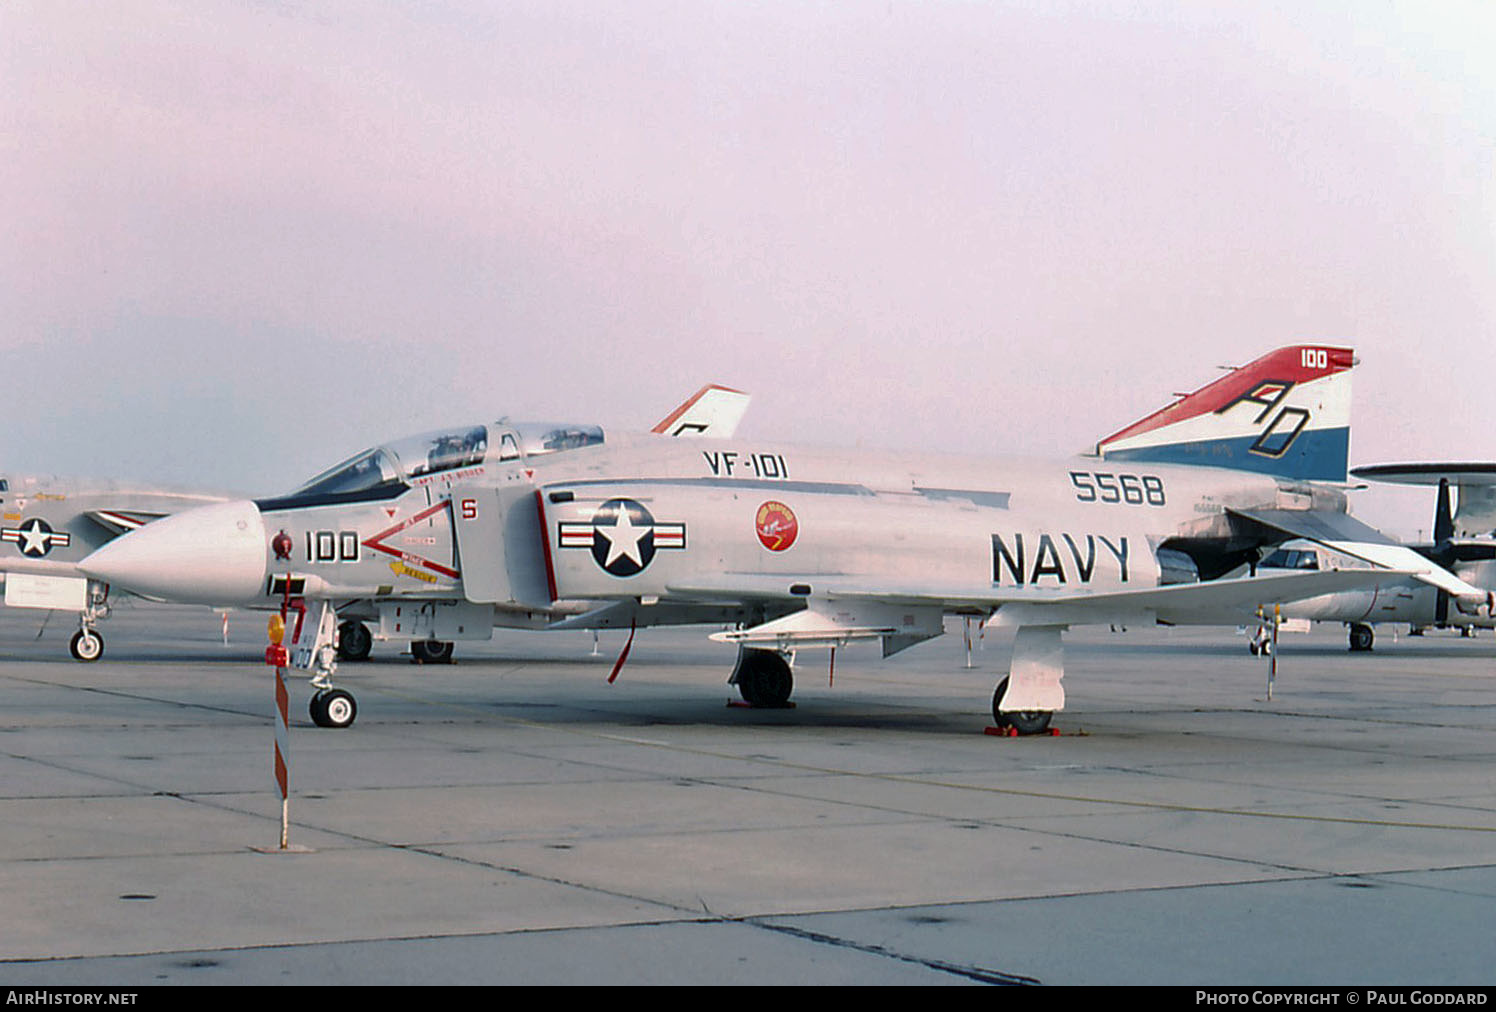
x: 1022, y: 721
x: 329, y: 707
x: 87, y: 643
x: 1032, y: 690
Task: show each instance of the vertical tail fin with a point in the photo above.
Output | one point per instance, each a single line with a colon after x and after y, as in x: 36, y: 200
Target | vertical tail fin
x: 1286, y: 414
x: 713, y: 411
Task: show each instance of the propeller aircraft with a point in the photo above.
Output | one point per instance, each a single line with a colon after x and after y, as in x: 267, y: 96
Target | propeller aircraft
x: 1464, y: 543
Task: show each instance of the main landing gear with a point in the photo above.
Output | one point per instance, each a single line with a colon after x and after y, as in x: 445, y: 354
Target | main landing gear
x: 354, y: 641
x: 1026, y: 701
x: 1361, y: 637
x: 1021, y: 721
x: 430, y: 652
x: 763, y: 678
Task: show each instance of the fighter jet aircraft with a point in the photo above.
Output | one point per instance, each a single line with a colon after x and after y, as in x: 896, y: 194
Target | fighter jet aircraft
x: 1464, y: 542
x: 374, y: 532
x: 797, y: 547
x: 47, y: 524
x: 419, y: 548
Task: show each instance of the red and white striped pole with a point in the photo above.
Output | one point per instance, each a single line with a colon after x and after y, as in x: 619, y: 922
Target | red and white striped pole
x: 276, y: 655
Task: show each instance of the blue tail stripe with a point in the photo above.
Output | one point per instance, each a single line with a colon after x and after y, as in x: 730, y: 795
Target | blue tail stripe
x: 1316, y: 455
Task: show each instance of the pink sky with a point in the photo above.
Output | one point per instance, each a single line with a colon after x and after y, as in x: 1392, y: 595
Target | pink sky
x: 246, y: 239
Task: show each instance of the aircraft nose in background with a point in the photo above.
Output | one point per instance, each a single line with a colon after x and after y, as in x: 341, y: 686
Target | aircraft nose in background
x: 208, y: 555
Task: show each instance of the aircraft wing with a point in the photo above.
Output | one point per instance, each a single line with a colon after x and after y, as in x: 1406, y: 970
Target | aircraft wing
x: 1343, y: 533
x: 909, y: 614
x: 713, y: 411
x: 122, y: 521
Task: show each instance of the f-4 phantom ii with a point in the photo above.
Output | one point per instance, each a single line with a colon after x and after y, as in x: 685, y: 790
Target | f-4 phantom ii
x: 374, y: 533
x: 1464, y: 542
x: 795, y: 547
x: 48, y: 524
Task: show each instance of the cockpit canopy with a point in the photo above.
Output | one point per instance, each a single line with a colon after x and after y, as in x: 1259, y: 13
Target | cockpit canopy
x: 536, y: 438
x: 385, y: 471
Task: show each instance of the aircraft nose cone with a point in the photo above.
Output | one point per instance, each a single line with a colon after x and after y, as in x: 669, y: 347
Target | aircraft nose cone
x: 207, y: 555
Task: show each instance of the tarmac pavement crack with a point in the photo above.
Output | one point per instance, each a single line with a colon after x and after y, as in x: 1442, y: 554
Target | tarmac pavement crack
x: 976, y: 973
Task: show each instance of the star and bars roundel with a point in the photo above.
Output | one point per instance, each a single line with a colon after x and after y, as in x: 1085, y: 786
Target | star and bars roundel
x: 623, y: 536
x: 35, y: 537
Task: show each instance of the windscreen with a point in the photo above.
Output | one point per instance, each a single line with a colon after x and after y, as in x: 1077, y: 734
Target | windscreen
x: 370, y: 471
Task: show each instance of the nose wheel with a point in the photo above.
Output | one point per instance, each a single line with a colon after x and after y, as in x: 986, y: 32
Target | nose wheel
x: 333, y: 708
x: 86, y: 645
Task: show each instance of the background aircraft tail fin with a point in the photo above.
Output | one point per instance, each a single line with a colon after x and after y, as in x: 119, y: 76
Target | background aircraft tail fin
x: 1286, y: 414
x: 713, y: 411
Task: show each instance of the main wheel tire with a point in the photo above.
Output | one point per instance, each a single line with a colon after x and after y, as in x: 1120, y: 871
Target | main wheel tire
x: 333, y: 708
x: 1022, y: 721
x: 431, y: 652
x: 1361, y: 637
x: 764, y: 679
x: 354, y: 641
x: 86, y: 645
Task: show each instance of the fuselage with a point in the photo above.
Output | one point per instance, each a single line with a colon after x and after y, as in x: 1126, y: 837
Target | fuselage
x: 789, y: 512
x: 1394, y: 600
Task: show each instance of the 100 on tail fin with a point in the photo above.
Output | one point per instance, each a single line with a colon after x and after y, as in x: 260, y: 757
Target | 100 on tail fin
x: 1286, y: 414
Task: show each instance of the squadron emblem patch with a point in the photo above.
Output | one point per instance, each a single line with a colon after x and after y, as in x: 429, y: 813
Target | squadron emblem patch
x: 776, y: 525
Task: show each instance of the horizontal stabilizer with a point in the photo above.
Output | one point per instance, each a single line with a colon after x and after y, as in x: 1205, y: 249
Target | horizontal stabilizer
x: 1322, y: 526
x: 1343, y: 533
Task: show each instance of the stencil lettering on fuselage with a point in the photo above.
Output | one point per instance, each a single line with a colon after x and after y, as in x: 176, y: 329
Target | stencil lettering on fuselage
x: 729, y: 464
x: 1063, y: 560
